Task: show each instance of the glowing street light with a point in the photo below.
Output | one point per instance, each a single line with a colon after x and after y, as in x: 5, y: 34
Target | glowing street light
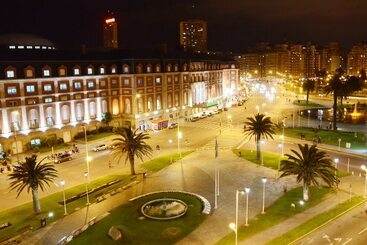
x: 263, y: 180
x: 336, y: 161
x: 262, y: 142
x: 247, y: 190
x: 234, y: 228
x: 363, y: 167
x: 308, y: 119
x: 87, y: 186
x: 170, y: 143
x: 62, y: 183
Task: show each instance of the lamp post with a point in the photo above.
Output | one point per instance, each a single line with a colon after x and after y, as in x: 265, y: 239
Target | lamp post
x: 87, y: 187
x: 16, y: 113
x: 339, y: 141
x: 263, y: 180
x: 283, y: 137
x: 280, y: 146
x: 179, y: 137
x: 62, y: 182
x: 170, y: 143
x: 87, y: 159
x: 234, y: 228
x: 247, y: 190
x: 336, y: 161
x: 262, y: 156
x: 363, y: 167
x: 308, y: 119
x: 299, y: 118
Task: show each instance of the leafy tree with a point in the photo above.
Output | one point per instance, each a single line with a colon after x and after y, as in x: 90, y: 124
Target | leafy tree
x: 132, y: 144
x: 106, y: 118
x: 308, y: 85
x: 335, y: 87
x: 259, y: 127
x: 32, y: 175
x: 310, y: 165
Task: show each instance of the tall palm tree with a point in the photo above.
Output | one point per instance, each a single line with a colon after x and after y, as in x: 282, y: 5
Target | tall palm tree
x: 32, y: 175
x: 308, y: 85
x: 132, y: 144
x: 310, y: 165
x: 335, y: 87
x: 259, y: 127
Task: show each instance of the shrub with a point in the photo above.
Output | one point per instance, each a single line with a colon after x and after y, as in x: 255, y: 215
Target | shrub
x: 60, y: 141
x: 94, y: 132
x: 105, y: 129
x: 79, y: 135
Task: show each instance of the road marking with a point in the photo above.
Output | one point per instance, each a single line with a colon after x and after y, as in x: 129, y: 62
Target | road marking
x: 338, y: 239
x: 348, y: 240
x: 365, y: 229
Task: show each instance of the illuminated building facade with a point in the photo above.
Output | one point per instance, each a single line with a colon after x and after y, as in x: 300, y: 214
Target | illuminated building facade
x: 193, y: 35
x: 56, y: 93
x: 357, y: 59
x: 110, y: 34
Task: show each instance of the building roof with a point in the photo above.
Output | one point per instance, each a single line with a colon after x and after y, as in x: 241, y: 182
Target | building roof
x: 21, y: 39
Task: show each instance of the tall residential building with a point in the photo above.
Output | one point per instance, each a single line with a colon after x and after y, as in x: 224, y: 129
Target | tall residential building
x: 193, y: 35
x: 110, y: 34
x: 309, y: 58
x: 357, y: 59
x: 296, y: 61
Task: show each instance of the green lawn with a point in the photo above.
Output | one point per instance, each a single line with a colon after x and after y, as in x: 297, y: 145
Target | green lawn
x: 329, y: 137
x: 158, y: 163
x: 310, y: 103
x: 22, y: 216
x: 43, y: 149
x: 97, y: 136
x: 146, y: 231
x: 315, y: 222
x: 279, y: 211
x: 270, y: 160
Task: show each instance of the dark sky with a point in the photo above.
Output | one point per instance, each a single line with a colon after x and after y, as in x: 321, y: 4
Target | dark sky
x: 232, y: 24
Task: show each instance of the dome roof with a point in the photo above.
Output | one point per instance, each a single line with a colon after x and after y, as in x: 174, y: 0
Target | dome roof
x: 24, y: 40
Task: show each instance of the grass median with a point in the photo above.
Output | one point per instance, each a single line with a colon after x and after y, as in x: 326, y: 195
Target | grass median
x: 329, y: 137
x: 315, y: 222
x: 310, y: 103
x: 270, y: 160
x: 277, y: 212
x: 22, y: 217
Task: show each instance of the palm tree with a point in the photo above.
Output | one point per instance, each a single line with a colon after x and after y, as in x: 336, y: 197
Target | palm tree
x: 260, y: 127
x: 310, y: 165
x: 132, y: 144
x: 308, y: 85
x: 32, y: 175
x: 335, y: 87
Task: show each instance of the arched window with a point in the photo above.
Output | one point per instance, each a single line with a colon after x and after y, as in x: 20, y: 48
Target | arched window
x: 150, y: 104
x: 79, y: 112
x: 127, y: 106
x: 157, y: 68
x: 115, y: 107
x: 169, y: 99
x: 104, y: 106
x: 185, y: 98
x: 92, y: 109
x: 176, y: 99
x: 50, y: 117
x: 15, y: 120
x: 159, y: 102
x: 65, y: 113
x: 33, y: 118
x: 140, y: 105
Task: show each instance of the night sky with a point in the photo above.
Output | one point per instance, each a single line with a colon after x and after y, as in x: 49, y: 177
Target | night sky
x: 232, y: 24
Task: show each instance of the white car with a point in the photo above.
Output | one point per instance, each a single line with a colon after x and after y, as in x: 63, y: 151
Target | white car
x: 100, y: 147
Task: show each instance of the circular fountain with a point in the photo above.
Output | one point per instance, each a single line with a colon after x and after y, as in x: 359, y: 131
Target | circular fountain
x: 164, y: 209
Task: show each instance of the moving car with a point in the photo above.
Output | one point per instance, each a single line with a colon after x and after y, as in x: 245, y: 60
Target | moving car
x: 64, y: 157
x: 194, y: 119
x: 100, y: 147
x: 172, y: 125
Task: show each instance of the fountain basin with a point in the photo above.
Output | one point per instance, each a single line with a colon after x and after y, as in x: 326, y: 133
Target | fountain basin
x: 345, y: 116
x: 164, y: 209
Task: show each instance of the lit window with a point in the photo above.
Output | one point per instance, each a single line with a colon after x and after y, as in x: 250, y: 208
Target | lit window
x: 48, y: 100
x: 44, y: 47
x: 169, y: 79
x: 62, y: 72
x: 35, y: 142
x: 12, y: 47
x: 29, y: 73
x: 12, y: 90
x: 46, y: 73
x: 90, y: 71
x: 102, y: 83
x: 149, y: 69
x: 76, y: 71
x: 21, y: 47
x: 63, y: 86
x: 126, y: 82
x: 101, y: 70
x: 29, y: 47
x: 47, y: 87
x: 140, y: 82
x: 90, y: 84
x: 126, y: 69
x: 37, y: 47
x: 30, y: 89
x: 78, y: 85
x: 158, y: 80
x: 10, y: 74
x: 113, y: 70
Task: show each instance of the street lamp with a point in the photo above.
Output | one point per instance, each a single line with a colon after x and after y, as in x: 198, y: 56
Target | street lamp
x: 179, y: 137
x: 283, y: 121
x: 308, y: 120
x: 16, y: 113
x: 339, y: 141
x: 87, y: 187
x: 170, y: 142
x: 87, y: 158
x: 247, y: 190
x: 336, y: 161
x: 363, y: 167
x: 62, y: 182
x: 280, y: 146
x: 236, y: 224
x: 264, y: 180
x: 234, y: 228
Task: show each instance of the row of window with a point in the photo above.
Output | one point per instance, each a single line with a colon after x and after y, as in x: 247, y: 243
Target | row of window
x: 46, y: 71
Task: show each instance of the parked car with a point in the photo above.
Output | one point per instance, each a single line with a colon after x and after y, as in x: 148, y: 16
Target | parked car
x: 203, y: 115
x: 194, y: 119
x: 210, y: 113
x: 100, y: 147
x: 111, y: 147
x: 64, y: 157
x: 173, y: 125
